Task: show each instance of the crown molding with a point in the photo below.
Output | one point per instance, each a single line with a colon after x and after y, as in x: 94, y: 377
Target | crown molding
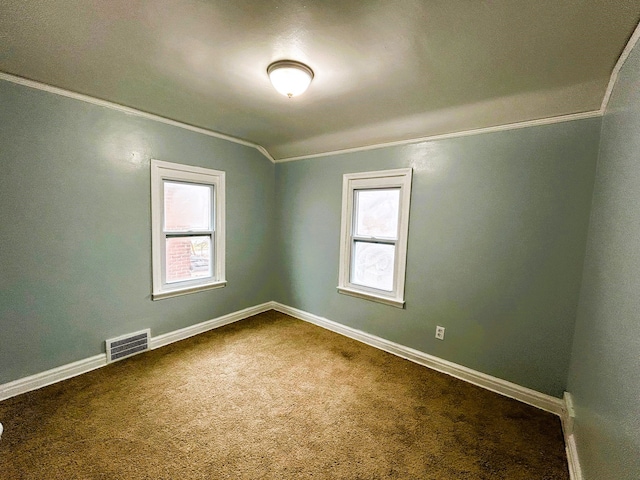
x: 132, y: 111
x: 635, y: 36
x: 462, y: 133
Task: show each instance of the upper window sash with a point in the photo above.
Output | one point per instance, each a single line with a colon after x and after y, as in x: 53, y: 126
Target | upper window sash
x: 379, y: 180
x: 196, y: 217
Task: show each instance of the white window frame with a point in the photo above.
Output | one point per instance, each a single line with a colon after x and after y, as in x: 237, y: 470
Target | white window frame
x: 351, y: 182
x: 161, y: 171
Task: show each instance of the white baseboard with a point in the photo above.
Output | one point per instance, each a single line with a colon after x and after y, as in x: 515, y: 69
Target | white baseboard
x: 48, y: 377
x: 526, y: 395
x: 568, y: 415
x: 503, y: 387
x: 575, y: 472
x: 39, y: 380
x: 177, y: 335
x: 561, y: 407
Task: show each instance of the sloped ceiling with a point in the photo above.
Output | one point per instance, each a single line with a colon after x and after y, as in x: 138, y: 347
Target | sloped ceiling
x: 385, y: 70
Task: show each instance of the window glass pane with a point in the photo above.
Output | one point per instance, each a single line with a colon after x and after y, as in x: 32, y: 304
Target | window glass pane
x: 187, y: 207
x: 188, y: 258
x: 377, y: 213
x: 373, y: 265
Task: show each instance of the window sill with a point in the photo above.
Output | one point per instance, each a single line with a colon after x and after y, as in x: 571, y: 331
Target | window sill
x: 187, y: 290
x: 394, y: 302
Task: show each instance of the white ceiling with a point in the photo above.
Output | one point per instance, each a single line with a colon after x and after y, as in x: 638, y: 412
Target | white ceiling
x: 385, y: 70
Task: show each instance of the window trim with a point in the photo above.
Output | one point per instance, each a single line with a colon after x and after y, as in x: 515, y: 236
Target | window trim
x: 161, y: 171
x: 397, y: 178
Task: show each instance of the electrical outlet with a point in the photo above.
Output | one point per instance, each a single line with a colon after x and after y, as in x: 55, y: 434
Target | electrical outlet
x: 440, y: 332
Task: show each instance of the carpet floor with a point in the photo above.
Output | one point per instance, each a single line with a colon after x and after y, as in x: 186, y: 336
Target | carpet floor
x: 273, y: 397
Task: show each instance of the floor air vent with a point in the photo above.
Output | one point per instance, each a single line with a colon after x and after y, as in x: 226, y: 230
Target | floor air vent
x: 127, y: 345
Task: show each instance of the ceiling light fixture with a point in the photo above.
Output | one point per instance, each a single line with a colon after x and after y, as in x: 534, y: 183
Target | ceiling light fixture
x: 289, y: 77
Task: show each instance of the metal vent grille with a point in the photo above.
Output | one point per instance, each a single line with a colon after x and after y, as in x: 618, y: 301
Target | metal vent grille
x: 127, y: 345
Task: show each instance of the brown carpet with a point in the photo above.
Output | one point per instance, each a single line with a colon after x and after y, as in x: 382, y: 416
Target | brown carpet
x: 276, y: 398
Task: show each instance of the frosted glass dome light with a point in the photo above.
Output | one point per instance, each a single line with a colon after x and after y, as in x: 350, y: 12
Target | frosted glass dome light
x: 290, y: 78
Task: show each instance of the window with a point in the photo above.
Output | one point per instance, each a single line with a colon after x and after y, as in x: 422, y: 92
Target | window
x: 187, y: 221
x: 373, y: 238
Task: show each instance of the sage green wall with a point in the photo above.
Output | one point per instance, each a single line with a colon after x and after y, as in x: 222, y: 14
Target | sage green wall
x: 75, y: 238
x: 497, y: 235
x: 605, y: 368
x: 496, y: 246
